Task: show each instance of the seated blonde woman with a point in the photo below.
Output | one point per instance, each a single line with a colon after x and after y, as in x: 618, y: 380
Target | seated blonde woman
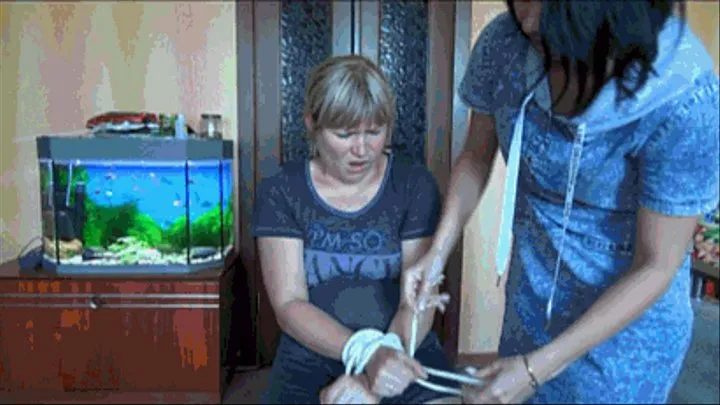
x: 334, y: 234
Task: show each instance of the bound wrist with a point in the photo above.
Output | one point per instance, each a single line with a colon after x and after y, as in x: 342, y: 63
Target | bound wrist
x: 360, y: 349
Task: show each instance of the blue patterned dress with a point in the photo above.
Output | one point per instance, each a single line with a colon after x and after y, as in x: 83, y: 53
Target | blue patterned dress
x: 658, y: 150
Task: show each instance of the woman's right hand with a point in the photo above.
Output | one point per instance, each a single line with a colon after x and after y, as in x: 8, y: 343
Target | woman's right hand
x: 419, y: 282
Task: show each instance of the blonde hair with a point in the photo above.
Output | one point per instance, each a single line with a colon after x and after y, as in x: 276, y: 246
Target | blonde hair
x: 347, y: 91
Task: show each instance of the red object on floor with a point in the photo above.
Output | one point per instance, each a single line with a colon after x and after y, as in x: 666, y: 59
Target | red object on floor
x: 710, y: 288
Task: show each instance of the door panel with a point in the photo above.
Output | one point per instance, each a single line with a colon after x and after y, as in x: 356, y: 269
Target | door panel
x: 280, y: 41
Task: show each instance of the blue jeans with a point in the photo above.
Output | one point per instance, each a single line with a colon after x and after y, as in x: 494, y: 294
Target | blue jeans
x: 299, y: 374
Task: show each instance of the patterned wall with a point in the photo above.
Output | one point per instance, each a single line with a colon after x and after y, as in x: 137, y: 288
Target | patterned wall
x: 305, y: 41
x: 403, y: 58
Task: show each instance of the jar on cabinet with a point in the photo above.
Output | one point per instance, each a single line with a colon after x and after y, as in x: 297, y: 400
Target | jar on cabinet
x: 211, y: 126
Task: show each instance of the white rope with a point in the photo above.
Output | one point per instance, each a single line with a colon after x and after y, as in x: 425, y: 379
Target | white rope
x: 361, y: 346
x: 437, y: 373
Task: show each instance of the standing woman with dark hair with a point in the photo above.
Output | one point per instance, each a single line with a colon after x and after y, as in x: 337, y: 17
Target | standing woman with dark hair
x: 606, y: 113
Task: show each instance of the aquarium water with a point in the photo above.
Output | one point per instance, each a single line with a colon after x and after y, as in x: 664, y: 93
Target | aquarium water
x: 133, y: 215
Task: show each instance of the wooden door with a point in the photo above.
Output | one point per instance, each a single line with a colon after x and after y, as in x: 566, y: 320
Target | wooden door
x: 422, y: 46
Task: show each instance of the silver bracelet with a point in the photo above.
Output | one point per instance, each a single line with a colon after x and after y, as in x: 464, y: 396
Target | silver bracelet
x: 533, y: 381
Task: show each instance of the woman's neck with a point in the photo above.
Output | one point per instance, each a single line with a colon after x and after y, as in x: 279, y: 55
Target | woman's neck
x: 373, y: 176
x: 566, y: 103
x: 342, y: 195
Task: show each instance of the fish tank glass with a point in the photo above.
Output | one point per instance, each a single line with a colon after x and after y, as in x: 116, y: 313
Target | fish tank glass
x: 128, y: 204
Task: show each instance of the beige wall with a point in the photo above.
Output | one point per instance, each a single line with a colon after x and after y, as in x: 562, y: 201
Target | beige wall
x: 705, y: 20
x: 482, y: 304
x: 63, y: 63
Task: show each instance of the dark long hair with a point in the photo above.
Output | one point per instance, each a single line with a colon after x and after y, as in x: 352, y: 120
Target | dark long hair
x: 587, y: 34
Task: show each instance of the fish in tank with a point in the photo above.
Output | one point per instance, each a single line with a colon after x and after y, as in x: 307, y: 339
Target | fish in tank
x: 135, y: 204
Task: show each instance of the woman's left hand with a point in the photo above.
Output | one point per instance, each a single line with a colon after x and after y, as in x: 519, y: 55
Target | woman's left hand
x: 506, y: 382
x: 348, y: 389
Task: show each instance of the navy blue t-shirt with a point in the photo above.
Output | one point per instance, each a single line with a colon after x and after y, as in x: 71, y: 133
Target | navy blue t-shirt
x: 365, y: 244
x: 352, y: 263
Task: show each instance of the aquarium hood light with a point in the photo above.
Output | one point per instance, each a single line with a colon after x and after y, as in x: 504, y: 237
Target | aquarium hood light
x: 133, y: 163
x: 132, y: 148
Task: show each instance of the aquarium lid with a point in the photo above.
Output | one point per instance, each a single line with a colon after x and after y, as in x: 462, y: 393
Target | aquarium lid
x: 132, y: 148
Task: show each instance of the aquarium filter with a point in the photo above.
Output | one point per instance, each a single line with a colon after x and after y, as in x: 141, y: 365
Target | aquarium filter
x: 30, y: 259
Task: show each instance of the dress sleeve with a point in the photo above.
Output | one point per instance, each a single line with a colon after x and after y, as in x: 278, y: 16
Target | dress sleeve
x: 481, y: 75
x: 678, y: 165
x: 273, y: 215
x: 424, y: 203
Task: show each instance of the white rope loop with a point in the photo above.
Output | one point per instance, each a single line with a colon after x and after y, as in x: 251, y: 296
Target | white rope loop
x: 361, y: 346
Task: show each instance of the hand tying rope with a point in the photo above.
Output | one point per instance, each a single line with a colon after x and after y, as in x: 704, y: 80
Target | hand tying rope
x: 361, y: 346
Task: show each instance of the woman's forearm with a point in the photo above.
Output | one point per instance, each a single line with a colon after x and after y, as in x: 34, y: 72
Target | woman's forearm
x: 467, y: 182
x: 402, y: 325
x: 614, y: 310
x: 313, y: 328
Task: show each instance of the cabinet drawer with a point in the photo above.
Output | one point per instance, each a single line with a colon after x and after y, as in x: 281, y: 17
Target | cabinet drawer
x: 113, y: 287
x: 77, y: 335
x: 98, y: 300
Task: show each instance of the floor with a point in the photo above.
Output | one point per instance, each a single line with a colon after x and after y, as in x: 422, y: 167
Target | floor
x: 698, y: 383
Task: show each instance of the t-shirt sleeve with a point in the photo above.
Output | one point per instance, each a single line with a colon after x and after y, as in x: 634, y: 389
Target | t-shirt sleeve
x: 273, y: 215
x: 479, y: 81
x: 424, y: 204
x: 678, y: 165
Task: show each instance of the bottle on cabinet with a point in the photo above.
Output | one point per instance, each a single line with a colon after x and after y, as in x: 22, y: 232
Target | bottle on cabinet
x: 180, y: 128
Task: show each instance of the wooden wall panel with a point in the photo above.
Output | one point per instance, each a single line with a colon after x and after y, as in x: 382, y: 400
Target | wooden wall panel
x: 267, y: 142
x: 439, y: 140
x: 246, y: 110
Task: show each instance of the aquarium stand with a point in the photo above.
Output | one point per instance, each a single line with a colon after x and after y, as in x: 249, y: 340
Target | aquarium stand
x: 51, y: 267
x: 123, y: 338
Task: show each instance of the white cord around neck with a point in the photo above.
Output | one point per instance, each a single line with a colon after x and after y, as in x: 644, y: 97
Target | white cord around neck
x: 362, y: 345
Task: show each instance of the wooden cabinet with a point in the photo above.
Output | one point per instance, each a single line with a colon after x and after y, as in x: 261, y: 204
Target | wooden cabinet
x: 143, y: 339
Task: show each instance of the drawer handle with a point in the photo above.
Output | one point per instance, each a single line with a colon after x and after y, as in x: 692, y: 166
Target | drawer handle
x: 95, y: 303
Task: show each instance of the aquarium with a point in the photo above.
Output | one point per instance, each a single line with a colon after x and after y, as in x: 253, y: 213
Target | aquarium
x: 130, y: 204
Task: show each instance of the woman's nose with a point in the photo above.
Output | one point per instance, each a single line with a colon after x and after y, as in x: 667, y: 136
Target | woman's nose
x: 359, y: 146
